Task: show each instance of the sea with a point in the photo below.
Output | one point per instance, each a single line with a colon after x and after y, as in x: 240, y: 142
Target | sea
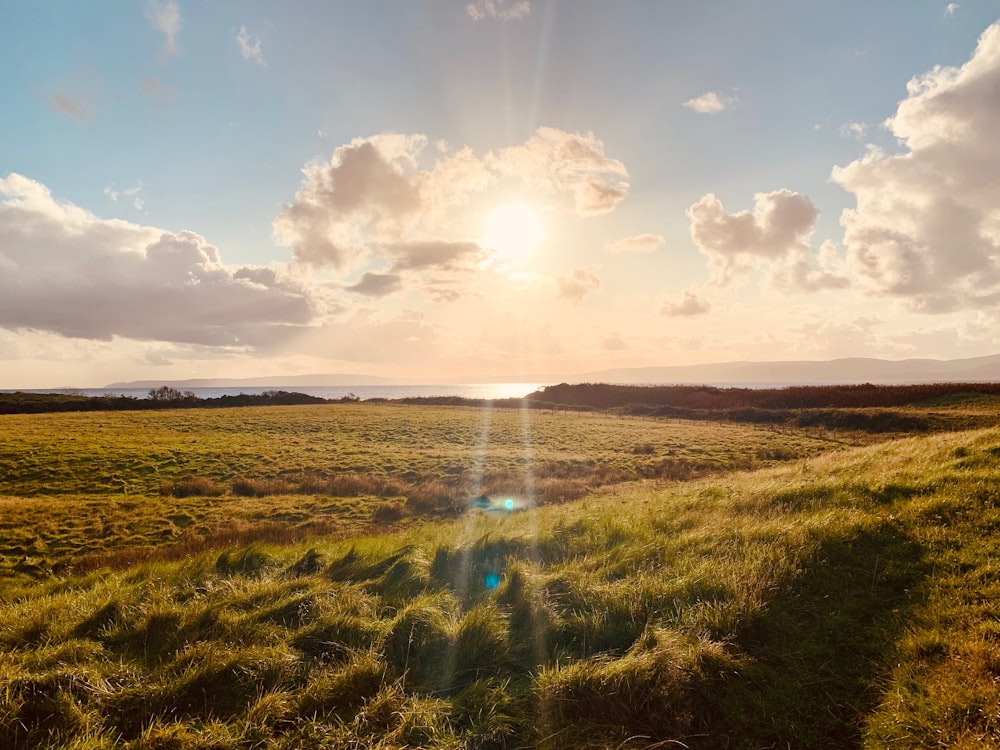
x: 484, y: 391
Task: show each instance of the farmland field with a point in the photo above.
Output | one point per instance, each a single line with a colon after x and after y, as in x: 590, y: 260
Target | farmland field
x: 298, y: 577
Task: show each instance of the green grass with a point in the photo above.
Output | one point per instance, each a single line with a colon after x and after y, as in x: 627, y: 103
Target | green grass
x: 99, y: 488
x: 134, y: 453
x: 844, y: 600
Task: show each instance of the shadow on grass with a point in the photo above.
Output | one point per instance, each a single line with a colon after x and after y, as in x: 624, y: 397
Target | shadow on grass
x: 817, y: 657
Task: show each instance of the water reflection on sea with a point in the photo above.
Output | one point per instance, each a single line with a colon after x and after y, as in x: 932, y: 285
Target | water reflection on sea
x: 363, y: 392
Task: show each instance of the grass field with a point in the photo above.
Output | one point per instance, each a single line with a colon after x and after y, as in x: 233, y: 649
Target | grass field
x: 90, y: 484
x: 792, y: 591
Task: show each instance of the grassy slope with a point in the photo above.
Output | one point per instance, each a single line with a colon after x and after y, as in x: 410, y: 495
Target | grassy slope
x: 842, y: 600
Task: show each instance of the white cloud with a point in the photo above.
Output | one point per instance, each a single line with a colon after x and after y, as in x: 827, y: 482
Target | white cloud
x: 567, y: 166
x: 505, y: 10
x: 377, y: 199
x: 441, y: 255
x: 368, y: 192
x: 776, y: 234
x: 250, y: 46
x: 710, y: 103
x: 377, y: 284
x: 576, y: 284
x: 640, y: 243
x: 688, y: 305
x: 69, y: 272
x: 804, y: 271
x: 780, y: 222
x: 926, y: 226
x: 131, y: 192
x: 853, y: 130
x: 165, y: 17
x: 950, y: 9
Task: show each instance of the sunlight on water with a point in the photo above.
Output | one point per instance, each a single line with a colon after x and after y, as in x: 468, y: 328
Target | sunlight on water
x: 485, y: 391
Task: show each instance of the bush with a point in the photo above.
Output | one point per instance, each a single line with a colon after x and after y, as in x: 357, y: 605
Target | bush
x: 193, y: 487
x: 261, y: 487
x: 388, y: 513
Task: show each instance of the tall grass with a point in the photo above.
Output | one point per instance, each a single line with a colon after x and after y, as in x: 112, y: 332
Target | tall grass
x: 845, y: 600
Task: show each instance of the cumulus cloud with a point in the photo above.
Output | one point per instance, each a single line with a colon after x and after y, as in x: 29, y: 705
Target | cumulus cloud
x: 66, y: 271
x: 165, y: 17
x: 250, y: 46
x: 377, y: 284
x: 926, y: 225
x: 505, y: 10
x: 567, y: 165
x: 687, y: 305
x: 709, y: 103
x: 576, y: 284
x: 442, y: 255
x: 640, y: 243
x: 390, y: 200
x: 779, y: 223
x: 805, y: 271
x: 775, y: 234
x: 368, y: 191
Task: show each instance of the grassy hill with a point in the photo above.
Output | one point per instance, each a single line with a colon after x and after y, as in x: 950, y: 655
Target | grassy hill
x: 826, y: 598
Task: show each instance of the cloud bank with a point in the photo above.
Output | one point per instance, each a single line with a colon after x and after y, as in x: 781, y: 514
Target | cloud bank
x: 66, y: 271
x: 926, y: 225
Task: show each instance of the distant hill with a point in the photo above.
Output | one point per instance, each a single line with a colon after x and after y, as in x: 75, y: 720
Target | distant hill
x: 837, y: 371
x: 273, y: 381
x: 794, y: 372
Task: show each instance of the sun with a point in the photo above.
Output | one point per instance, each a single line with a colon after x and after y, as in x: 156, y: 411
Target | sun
x: 513, y: 231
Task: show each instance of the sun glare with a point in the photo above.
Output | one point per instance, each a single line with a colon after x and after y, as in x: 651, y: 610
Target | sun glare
x: 513, y: 231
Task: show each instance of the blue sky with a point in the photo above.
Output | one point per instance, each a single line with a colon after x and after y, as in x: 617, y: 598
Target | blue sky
x: 198, y: 189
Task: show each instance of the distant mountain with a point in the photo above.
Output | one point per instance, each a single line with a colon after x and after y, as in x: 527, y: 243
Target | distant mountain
x: 837, y: 371
x: 796, y: 372
x: 273, y: 381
